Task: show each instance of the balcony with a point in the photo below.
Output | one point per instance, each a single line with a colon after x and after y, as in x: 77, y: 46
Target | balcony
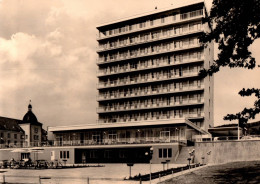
x: 150, y: 92
x: 149, y: 105
x: 145, y: 79
x: 127, y: 55
x: 182, y: 18
x: 142, y: 67
x: 151, y: 118
x: 119, y: 141
x: 149, y: 39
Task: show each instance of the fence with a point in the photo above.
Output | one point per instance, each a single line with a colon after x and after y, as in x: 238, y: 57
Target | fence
x: 64, y: 180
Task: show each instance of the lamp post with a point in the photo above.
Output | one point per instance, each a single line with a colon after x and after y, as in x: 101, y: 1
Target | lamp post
x: 130, y: 165
x: 189, y: 162
x: 202, y: 158
x: 150, y: 162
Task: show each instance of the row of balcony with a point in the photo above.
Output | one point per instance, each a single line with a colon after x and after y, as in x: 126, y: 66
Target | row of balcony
x: 146, y: 78
x: 142, y: 118
x: 150, y: 24
x: 150, y: 37
x: 158, y: 104
x: 136, y: 140
x: 148, y: 51
x: 148, y: 92
x: 147, y: 65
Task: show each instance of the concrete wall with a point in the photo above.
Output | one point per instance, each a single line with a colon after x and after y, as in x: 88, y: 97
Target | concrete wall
x: 227, y: 151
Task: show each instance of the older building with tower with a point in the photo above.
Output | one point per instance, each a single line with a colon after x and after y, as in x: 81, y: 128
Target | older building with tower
x: 22, y: 133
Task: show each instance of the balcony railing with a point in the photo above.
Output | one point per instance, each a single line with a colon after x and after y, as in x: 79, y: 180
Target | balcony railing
x: 139, y: 106
x: 149, y: 39
x: 168, y: 21
x: 144, y: 79
x: 143, y: 118
x: 150, y: 92
x: 118, y: 141
x: 138, y: 54
x: 146, y: 66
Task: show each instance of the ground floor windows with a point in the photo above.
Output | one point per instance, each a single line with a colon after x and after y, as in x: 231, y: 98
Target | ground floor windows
x: 165, y: 153
x: 25, y: 156
x: 64, y: 154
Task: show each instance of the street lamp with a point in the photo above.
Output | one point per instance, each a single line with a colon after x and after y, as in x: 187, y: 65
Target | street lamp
x: 202, y: 158
x: 130, y: 165
x: 189, y: 162
x: 150, y: 162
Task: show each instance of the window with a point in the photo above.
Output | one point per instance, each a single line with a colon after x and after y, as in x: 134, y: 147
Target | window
x: 15, y: 136
x: 93, y: 154
x: 26, y: 136
x: 151, y: 22
x: 165, y: 153
x: 36, y: 137
x: 162, y: 19
x: 8, y: 135
x: 2, y: 134
x: 64, y: 154
x: 107, y: 154
x: 36, y: 130
x: 160, y: 153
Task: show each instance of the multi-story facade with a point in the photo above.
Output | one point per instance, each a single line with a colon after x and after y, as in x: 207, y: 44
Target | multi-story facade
x: 149, y: 92
x: 148, y: 68
x: 11, y: 134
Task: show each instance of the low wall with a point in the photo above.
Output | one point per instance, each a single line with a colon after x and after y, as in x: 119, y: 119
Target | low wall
x: 227, y: 151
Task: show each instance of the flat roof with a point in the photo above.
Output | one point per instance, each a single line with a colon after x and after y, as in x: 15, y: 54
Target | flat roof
x: 126, y: 125
x: 115, y: 125
x: 156, y: 11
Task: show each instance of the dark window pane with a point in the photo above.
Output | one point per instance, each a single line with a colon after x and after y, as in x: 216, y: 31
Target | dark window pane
x: 160, y: 153
x: 164, y: 153
x: 68, y: 154
x: 60, y: 154
x: 169, y: 153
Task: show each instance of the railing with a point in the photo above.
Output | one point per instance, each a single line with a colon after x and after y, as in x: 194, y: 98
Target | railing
x: 138, y: 54
x: 228, y: 138
x: 149, y: 39
x: 145, y: 79
x: 24, y: 144
x: 140, y: 67
x: 106, y: 141
x: 159, y: 104
x: 168, y: 20
x: 120, y: 141
x: 150, y: 118
x: 149, y: 92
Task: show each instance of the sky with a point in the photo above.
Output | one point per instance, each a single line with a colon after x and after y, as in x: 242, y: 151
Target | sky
x: 48, y: 55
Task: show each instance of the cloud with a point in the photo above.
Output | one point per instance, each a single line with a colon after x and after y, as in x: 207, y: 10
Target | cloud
x: 48, y: 54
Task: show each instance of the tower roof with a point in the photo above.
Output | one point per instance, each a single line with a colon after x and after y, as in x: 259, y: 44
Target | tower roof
x: 30, y: 117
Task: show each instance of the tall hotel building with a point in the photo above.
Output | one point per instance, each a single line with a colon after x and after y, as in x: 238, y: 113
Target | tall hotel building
x: 149, y: 91
x: 148, y: 68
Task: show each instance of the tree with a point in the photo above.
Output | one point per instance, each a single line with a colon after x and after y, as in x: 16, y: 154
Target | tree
x: 235, y: 26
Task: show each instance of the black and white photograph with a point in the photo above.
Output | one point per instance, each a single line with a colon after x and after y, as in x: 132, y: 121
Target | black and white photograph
x: 129, y: 91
